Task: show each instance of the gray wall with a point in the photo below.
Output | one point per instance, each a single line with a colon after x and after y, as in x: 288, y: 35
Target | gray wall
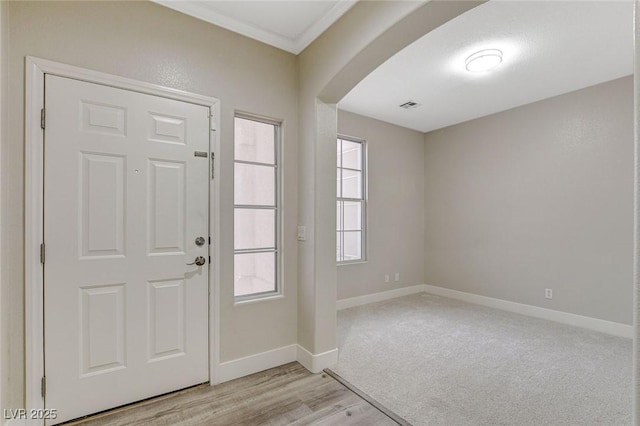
x: 540, y: 196
x: 395, y: 207
x: 148, y: 42
x: 4, y: 320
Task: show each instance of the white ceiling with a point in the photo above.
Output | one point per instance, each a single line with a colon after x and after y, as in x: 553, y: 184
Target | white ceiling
x: 289, y: 25
x: 550, y: 48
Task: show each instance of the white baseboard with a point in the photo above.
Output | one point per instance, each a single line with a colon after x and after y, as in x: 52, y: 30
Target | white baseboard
x: 317, y: 363
x: 263, y: 361
x: 255, y: 363
x: 378, y: 297
x: 602, y: 326
x: 608, y: 327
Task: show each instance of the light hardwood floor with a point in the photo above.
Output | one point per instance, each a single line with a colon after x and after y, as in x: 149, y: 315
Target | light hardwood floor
x: 286, y: 395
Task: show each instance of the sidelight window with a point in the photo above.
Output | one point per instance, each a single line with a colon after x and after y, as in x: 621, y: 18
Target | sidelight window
x: 256, y: 207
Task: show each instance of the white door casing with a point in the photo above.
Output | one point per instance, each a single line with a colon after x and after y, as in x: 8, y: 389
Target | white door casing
x: 125, y: 198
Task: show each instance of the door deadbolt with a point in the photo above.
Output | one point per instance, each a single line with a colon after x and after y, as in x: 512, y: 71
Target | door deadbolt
x: 199, y: 261
x: 200, y: 241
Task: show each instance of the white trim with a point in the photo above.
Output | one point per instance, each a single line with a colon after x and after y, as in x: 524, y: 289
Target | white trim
x: 200, y: 11
x: 378, y: 297
x: 266, y: 297
x: 214, y: 233
x: 317, y: 363
x: 595, y: 324
x: 295, y: 46
x: 35, y: 70
x: 251, y: 364
x: 255, y: 363
x: 322, y: 24
x: 33, y: 237
x: 91, y: 76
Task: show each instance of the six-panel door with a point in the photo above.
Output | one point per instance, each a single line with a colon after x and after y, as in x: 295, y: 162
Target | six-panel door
x: 125, y: 199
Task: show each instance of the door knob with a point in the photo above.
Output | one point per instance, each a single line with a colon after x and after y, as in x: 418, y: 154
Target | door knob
x: 199, y: 261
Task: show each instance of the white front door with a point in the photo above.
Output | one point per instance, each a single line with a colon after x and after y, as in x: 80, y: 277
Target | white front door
x: 126, y: 197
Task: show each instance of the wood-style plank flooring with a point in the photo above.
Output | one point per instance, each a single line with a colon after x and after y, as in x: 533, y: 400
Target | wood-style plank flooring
x: 286, y: 395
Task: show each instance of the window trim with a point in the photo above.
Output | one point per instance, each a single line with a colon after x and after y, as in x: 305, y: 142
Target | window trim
x: 364, y: 200
x: 278, y: 228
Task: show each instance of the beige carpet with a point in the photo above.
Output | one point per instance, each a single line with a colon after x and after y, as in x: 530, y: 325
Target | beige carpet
x: 438, y: 361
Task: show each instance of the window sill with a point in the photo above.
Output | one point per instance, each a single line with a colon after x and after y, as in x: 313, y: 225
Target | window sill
x: 355, y: 262
x: 257, y: 299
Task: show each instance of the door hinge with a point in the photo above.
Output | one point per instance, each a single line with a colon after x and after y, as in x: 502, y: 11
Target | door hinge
x: 43, y: 386
x: 209, y: 260
x: 42, y: 118
x: 213, y: 165
x: 42, y: 248
x: 209, y: 239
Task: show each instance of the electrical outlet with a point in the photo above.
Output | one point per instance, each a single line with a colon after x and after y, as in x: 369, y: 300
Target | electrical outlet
x: 386, y: 278
x: 397, y: 276
x: 548, y: 293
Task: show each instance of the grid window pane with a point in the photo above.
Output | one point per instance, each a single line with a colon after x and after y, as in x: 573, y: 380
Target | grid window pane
x: 351, y: 184
x: 255, y: 185
x: 256, y: 213
x: 254, y: 141
x: 351, y: 203
x: 254, y: 273
x: 254, y: 229
x: 352, y: 216
x: 352, y: 245
x: 352, y: 155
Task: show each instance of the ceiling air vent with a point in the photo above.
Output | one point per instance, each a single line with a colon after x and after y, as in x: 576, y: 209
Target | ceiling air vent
x: 409, y: 105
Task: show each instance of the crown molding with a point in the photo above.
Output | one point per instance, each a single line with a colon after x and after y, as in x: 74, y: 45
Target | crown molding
x: 295, y: 46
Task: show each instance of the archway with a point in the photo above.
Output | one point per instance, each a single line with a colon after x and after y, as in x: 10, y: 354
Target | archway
x: 325, y: 77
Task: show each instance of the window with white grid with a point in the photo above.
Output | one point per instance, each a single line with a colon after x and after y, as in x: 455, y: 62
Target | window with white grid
x: 351, y: 204
x: 256, y: 207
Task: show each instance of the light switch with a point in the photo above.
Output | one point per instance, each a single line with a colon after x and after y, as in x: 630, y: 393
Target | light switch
x: 302, y: 233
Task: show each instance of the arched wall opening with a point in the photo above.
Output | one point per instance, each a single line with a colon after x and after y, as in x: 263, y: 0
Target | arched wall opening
x: 328, y: 69
x: 326, y: 76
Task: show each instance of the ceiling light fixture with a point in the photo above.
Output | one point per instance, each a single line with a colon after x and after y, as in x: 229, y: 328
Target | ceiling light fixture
x: 484, y: 60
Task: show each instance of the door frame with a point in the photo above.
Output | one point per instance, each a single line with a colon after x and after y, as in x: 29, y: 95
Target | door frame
x: 35, y: 70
